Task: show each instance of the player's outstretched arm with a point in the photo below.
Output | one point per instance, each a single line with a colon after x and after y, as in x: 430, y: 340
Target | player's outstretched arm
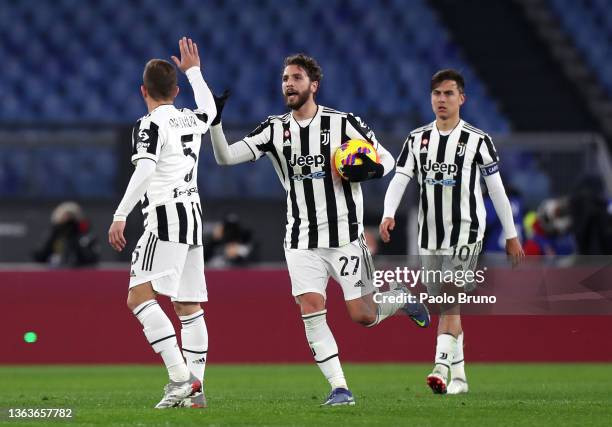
x: 393, y: 197
x: 136, y: 189
x: 189, y: 63
x: 226, y: 154
x: 503, y: 209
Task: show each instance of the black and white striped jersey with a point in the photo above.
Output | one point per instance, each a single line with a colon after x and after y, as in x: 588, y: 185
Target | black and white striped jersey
x: 171, y: 206
x: 323, y: 210
x: 448, y: 169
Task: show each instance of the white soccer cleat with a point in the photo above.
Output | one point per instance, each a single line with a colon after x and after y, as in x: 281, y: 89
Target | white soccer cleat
x: 198, y: 400
x: 457, y: 386
x: 437, y: 383
x: 175, y: 392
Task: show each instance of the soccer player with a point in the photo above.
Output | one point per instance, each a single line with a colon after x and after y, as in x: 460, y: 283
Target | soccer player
x: 447, y: 157
x: 324, y: 233
x: 169, y: 258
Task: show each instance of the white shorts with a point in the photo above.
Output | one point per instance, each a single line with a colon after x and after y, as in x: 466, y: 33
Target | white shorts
x: 455, y: 259
x: 174, y: 269
x: 350, y: 265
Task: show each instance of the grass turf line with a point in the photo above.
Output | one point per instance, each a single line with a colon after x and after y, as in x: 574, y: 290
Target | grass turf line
x: 289, y: 395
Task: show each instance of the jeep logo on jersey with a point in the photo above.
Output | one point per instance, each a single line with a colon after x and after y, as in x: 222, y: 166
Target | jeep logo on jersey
x: 309, y: 160
x: 449, y: 168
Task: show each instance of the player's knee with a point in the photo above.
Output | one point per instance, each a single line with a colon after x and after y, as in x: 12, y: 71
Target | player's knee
x: 311, y: 303
x: 186, y: 308
x: 137, y: 296
x: 132, y: 302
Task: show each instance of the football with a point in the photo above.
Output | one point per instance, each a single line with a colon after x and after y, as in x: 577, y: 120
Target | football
x: 345, y: 154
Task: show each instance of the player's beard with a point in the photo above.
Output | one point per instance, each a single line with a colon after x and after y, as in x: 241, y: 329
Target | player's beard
x: 302, y: 97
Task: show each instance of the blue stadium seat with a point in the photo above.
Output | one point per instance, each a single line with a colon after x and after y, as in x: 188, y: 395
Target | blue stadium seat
x: 240, y: 42
x: 589, y: 24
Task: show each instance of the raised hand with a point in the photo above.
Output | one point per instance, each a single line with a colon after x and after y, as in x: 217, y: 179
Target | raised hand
x: 189, y: 55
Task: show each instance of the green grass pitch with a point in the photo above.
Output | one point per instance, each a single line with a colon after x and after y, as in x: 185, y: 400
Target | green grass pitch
x: 289, y: 395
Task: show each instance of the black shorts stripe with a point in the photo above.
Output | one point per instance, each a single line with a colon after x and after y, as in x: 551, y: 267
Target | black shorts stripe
x: 311, y: 209
x: 438, y: 207
x: 194, y: 215
x: 295, y: 214
x: 162, y: 339
x: 348, y: 195
x: 456, y: 196
x: 328, y: 183
x: 151, y: 254
x: 327, y: 358
x: 162, y: 223
x: 146, y: 252
x: 475, y: 254
x: 152, y: 303
x: 368, y: 263
x: 182, y: 217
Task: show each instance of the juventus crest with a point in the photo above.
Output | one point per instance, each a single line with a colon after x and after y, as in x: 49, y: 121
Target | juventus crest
x: 325, y: 135
x: 461, y: 149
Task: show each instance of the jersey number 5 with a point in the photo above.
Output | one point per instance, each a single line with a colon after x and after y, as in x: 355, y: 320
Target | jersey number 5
x: 189, y: 152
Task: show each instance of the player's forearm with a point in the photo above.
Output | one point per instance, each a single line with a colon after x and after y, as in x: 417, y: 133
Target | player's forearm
x: 201, y: 92
x: 394, y: 194
x: 386, y: 159
x: 226, y: 154
x: 501, y: 203
x: 136, y: 189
